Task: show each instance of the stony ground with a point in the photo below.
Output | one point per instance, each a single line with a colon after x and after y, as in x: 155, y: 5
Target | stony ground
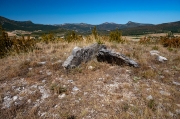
x: 35, y: 85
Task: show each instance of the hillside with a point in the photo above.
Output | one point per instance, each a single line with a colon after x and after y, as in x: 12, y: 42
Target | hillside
x: 10, y: 25
x: 35, y: 85
x: 79, y: 27
x: 130, y: 28
x: 160, y: 28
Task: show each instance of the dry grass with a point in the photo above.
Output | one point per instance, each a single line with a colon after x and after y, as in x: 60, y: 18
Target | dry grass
x: 105, y: 91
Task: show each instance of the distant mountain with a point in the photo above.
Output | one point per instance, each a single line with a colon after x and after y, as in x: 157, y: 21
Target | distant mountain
x: 10, y: 25
x: 130, y: 28
x: 134, y: 24
x: 112, y: 26
x: 83, y: 27
x: 79, y: 27
x: 164, y: 27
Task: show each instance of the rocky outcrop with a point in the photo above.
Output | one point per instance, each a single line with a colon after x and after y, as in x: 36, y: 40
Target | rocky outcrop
x: 86, y: 54
x: 111, y: 57
x: 80, y: 55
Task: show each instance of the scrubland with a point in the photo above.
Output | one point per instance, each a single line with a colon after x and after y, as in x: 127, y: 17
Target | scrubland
x: 35, y: 85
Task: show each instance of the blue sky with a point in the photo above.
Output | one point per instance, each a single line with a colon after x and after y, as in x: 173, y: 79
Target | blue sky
x: 91, y: 11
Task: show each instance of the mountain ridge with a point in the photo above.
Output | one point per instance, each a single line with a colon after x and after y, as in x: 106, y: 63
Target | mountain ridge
x: 130, y: 28
x: 103, y: 26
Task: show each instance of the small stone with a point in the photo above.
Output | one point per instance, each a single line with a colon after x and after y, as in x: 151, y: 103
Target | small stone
x: 171, y: 114
x: 43, y: 81
x: 56, y: 63
x: 75, y: 89
x: 43, y: 114
x: 41, y: 63
x: 48, y: 73
x: 128, y: 71
x: 154, y: 52
x: 149, y: 97
x: 61, y: 96
x: 85, y: 93
x: 15, y: 98
x: 165, y: 93
x: 30, y: 69
x: 176, y: 83
x: 162, y: 77
x: 20, y: 98
x: 28, y: 60
x: 101, y: 78
x: 178, y: 105
x: 131, y: 105
x: 161, y: 58
x: 70, y: 81
x: 60, y: 79
x: 178, y: 111
x: 107, y: 75
x: 13, y: 87
x: 90, y: 67
x: 29, y: 101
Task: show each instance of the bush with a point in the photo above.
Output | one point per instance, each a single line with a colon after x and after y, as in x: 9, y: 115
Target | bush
x: 94, y: 33
x: 22, y: 44
x: 8, y: 45
x: 116, y: 36
x: 5, y: 43
x: 48, y: 38
x: 72, y: 36
x: 170, y: 42
x: 145, y: 40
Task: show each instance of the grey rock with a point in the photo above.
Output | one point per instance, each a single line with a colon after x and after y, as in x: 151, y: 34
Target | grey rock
x: 158, y: 57
x: 154, y: 52
x: 176, y: 83
x: 15, y: 98
x: 178, y: 111
x: 62, y: 96
x: 170, y: 114
x: 41, y: 63
x: 161, y: 58
x: 149, y: 97
x: 80, y: 55
x: 109, y: 56
x: 165, y: 93
x: 98, y: 51
x: 75, y: 89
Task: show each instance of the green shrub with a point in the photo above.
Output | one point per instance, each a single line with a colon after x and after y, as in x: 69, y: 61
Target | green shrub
x: 5, y: 43
x: 14, y: 44
x: 72, y: 36
x: 22, y: 44
x: 116, y: 36
x: 152, y: 105
x: 94, y: 33
x: 48, y: 38
x: 56, y: 88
